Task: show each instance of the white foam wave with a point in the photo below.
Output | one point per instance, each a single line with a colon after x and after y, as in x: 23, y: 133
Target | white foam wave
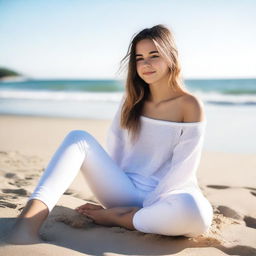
x: 207, y: 97
x: 60, y: 96
x: 228, y: 99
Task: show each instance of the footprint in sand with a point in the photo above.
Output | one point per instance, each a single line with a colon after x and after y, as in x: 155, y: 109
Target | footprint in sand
x: 20, y: 192
x: 19, y: 183
x: 4, y: 204
x: 31, y: 176
x: 16, y: 181
x: 250, y: 188
x: 11, y: 175
x: 228, y: 212
x: 253, y: 193
x: 225, y: 187
x: 218, y: 186
x: 250, y: 221
x: 4, y: 196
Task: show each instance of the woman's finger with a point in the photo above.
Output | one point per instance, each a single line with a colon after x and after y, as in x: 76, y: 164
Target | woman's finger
x: 89, y: 216
x: 87, y: 212
x: 89, y: 206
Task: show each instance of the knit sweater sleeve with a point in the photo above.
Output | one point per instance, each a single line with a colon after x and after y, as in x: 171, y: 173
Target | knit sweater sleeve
x: 184, y: 163
x: 114, y: 138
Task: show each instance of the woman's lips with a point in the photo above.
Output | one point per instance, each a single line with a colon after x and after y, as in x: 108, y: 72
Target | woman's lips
x: 148, y: 73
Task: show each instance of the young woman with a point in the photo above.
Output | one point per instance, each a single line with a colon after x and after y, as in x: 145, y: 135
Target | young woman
x: 147, y: 179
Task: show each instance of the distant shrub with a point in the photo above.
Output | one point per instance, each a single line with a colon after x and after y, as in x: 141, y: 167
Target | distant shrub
x: 7, y: 72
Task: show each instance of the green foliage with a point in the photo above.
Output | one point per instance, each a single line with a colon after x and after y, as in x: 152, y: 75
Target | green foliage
x: 7, y: 72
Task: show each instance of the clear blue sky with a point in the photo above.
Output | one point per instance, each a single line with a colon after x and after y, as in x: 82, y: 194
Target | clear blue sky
x: 87, y: 39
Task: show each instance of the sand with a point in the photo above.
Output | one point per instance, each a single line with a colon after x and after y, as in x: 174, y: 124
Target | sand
x: 228, y: 180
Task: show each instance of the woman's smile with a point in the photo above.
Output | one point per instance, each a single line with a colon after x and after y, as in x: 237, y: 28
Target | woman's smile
x: 149, y: 73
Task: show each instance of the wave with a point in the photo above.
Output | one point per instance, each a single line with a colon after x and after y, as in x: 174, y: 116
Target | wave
x: 226, y: 99
x: 207, y: 97
x: 60, y: 96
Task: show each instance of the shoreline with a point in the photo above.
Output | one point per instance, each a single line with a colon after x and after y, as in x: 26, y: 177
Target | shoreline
x: 210, y: 144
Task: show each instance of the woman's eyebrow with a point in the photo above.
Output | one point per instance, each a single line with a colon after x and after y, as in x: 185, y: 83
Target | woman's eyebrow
x: 149, y: 53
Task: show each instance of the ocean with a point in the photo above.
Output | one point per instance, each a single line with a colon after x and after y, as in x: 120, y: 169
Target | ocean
x: 230, y: 105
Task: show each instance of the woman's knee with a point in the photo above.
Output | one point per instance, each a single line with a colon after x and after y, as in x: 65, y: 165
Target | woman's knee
x: 78, y: 134
x: 173, y: 216
x: 160, y: 218
x: 81, y: 138
x: 196, y: 213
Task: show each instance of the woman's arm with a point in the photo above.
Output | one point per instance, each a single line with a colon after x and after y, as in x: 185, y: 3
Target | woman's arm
x: 114, y: 137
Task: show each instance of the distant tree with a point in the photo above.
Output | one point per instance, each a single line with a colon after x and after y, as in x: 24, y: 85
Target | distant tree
x: 7, y: 72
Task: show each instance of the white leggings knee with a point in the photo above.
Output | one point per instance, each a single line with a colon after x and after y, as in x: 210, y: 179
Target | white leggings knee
x: 80, y: 150
x: 187, y: 214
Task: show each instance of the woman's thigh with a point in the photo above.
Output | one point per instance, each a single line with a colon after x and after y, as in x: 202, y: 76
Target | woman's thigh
x: 185, y: 214
x: 109, y: 183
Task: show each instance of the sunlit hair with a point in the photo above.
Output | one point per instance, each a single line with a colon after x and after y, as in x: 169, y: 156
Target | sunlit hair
x: 136, y: 89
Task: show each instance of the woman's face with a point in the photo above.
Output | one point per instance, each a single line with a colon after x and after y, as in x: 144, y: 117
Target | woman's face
x: 151, y: 67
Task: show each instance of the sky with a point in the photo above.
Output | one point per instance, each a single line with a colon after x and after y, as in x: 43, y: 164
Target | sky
x: 83, y: 39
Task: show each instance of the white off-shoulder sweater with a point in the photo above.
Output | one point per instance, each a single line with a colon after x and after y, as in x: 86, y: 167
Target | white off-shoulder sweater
x: 164, y: 158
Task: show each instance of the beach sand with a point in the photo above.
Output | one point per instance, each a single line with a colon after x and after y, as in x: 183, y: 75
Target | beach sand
x: 26, y: 146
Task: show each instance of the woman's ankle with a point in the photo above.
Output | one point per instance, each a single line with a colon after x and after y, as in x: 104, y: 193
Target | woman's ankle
x: 33, y: 208
x: 32, y: 217
x: 28, y: 223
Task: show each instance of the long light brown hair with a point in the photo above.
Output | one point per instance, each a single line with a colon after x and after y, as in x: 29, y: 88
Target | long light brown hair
x: 136, y: 89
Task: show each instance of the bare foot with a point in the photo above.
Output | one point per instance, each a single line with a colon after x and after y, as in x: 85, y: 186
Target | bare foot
x: 106, y: 217
x: 27, y: 225
x: 22, y: 233
x: 100, y: 216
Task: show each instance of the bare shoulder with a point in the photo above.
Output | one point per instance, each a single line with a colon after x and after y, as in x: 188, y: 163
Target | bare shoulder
x: 193, y: 108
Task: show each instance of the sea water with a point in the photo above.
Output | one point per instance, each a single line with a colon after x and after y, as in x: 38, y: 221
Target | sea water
x: 230, y: 105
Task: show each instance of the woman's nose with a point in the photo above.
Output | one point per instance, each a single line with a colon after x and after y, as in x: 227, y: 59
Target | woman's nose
x: 146, y: 62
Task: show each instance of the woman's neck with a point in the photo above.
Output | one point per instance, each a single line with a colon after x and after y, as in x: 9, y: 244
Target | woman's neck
x: 161, y: 93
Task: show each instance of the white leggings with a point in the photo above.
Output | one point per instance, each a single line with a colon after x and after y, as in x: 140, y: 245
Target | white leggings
x: 188, y: 214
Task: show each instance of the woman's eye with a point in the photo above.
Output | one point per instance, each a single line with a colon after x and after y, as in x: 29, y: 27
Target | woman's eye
x: 154, y: 56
